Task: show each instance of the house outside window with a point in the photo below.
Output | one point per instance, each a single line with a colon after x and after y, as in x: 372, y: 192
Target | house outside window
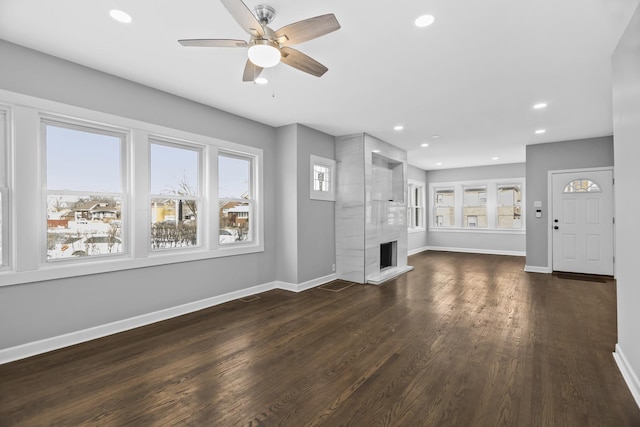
x: 175, y: 195
x: 84, y: 190
x: 444, y: 207
x: 482, y: 205
x: 415, y: 208
x: 235, y: 196
x: 475, y: 207
x: 509, y: 206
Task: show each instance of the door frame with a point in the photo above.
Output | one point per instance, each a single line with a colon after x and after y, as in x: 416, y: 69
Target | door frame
x: 550, y: 210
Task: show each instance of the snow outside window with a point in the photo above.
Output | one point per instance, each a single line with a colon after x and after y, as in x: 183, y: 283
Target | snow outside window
x: 175, y: 202
x: 84, y: 191
x: 235, y: 196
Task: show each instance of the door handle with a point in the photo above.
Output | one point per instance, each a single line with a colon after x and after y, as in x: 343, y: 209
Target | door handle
x: 555, y: 227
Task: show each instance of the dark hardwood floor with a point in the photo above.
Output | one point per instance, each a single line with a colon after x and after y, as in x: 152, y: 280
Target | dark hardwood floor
x: 463, y: 340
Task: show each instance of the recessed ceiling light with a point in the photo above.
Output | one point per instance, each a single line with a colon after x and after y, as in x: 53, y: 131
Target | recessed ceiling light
x: 424, y: 145
x: 495, y: 158
x: 398, y: 128
x: 120, y: 16
x: 375, y: 151
x: 540, y: 106
x: 435, y: 136
x: 261, y: 81
x: 540, y: 131
x: 439, y: 164
x: 424, y: 20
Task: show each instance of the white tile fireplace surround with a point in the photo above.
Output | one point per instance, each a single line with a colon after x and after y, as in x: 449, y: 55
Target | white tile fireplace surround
x: 370, y: 209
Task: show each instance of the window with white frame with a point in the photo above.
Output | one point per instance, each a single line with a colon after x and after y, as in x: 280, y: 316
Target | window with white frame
x: 415, y: 208
x: 475, y: 207
x: 494, y: 204
x: 103, y: 182
x: 175, y: 199
x: 322, y: 178
x: 84, y: 190
x: 235, y: 197
x: 4, y: 205
x: 509, y: 206
x: 444, y: 200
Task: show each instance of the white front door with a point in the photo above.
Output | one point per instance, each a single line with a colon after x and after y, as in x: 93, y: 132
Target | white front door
x: 582, y: 221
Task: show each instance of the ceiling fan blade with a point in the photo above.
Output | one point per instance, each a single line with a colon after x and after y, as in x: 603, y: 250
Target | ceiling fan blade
x: 213, y: 43
x: 296, y: 59
x: 244, y: 17
x: 308, y: 29
x: 251, y: 72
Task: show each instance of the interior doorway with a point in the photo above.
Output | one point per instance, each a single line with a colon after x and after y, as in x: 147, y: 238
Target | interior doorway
x: 582, y: 221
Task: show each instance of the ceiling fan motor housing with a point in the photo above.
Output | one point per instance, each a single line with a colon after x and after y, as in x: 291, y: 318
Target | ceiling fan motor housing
x: 264, y: 13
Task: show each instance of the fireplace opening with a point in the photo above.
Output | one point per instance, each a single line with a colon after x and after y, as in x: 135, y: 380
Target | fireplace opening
x: 388, y: 257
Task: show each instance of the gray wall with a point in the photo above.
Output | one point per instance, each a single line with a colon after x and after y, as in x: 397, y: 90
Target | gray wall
x: 626, y: 125
x: 418, y: 240
x: 306, y: 247
x: 512, y: 170
x: 542, y: 158
x: 35, y: 311
x: 477, y: 241
x: 316, y: 218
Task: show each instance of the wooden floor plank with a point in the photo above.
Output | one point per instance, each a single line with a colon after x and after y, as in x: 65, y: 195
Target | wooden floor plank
x: 462, y: 340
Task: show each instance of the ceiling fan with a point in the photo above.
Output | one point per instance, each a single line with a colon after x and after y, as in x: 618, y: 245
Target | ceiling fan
x: 267, y: 47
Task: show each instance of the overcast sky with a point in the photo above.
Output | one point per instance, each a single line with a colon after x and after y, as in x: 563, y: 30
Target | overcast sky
x: 86, y: 161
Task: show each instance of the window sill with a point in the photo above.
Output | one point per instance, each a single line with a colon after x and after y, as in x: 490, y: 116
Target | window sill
x: 417, y: 230
x: 476, y: 230
x: 60, y: 270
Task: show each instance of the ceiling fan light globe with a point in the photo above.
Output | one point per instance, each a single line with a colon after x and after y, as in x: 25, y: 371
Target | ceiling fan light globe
x: 264, y: 55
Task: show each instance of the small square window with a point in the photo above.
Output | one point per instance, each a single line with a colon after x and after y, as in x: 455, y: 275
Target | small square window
x: 322, y: 178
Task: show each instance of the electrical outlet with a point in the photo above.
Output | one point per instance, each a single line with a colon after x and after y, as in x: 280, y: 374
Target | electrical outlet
x: 333, y: 267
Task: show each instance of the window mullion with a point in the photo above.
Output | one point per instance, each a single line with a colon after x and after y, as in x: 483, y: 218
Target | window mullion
x: 139, y: 211
x: 29, y: 201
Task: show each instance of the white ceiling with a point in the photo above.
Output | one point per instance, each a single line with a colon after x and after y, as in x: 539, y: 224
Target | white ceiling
x: 472, y: 77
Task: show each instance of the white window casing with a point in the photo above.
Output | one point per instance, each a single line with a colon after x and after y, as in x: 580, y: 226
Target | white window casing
x: 472, y: 203
x: 24, y: 194
x: 322, y: 178
x: 416, y: 210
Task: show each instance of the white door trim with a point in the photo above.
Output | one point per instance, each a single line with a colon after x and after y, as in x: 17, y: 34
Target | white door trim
x: 549, y: 210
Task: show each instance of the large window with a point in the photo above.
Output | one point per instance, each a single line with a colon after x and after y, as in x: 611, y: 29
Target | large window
x: 97, y: 193
x: 84, y: 191
x: 235, y: 195
x: 175, y: 195
x: 415, y: 207
x: 494, y: 204
x: 475, y: 207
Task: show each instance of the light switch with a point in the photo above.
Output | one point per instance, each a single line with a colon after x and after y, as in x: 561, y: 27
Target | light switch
x: 537, y: 204
x: 538, y: 213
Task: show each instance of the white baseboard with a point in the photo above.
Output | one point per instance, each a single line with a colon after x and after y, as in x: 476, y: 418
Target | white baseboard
x: 627, y: 373
x: 536, y: 269
x: 54, y: 343
x: 306, y: 285
x: 417, y: 251
x: 477, y: 251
